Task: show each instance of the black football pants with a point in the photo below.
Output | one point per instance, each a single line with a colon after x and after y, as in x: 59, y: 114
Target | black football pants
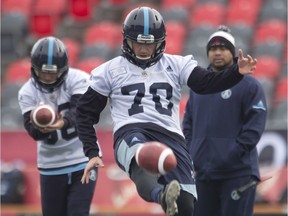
x: 65, y: 195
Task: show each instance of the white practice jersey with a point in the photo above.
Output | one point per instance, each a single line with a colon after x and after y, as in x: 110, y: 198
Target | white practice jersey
x: 144, y: 96
x: 64, y: 147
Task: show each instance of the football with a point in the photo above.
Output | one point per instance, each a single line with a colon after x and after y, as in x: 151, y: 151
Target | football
x: 155, y: 157
x: 43, y: 115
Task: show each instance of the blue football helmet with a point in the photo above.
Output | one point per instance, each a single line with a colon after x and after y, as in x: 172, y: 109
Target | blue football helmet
x: 144, y: 25
x: 49, y: 55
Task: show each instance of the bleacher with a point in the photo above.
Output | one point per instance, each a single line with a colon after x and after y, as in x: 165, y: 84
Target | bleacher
x: 92, y: 32
x: 91, y: 29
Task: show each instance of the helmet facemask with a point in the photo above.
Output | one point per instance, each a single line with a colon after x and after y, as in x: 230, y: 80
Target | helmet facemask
x: 47, y: 87
x: 148, y: 61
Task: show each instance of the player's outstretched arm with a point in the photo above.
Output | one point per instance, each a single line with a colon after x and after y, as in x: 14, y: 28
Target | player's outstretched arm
x: 93, y: 162
x: 246, y: 65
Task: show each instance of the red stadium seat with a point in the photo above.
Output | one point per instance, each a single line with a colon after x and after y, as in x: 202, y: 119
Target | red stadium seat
x: 188, y: 4
x: 56, y: 7
x: 18, y: 71
x: 271, y: 30
x: 73, y: 48
x: 118, y: 2
x: 42, y: 25
x: 106, y: 31
x: 267, y: 66
x: 23, y: 6
x: 207, y: 14
x: 45, y: 16
x: 82, y: 10
x: 242, y: 12
x: 176, y: 34
x: 89, y: 64
x: 256, y: 4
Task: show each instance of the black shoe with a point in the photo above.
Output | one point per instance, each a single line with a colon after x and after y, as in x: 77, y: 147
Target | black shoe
x: 168, y: 198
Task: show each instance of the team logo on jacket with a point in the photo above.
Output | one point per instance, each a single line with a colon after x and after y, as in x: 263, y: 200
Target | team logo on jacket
x: 226, y: 94
x: 259, y: 105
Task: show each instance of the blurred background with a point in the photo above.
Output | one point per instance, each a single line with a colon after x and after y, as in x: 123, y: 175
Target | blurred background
x: 92, y: 32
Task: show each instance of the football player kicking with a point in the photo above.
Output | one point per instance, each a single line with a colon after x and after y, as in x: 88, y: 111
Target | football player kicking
x: 144, y: 89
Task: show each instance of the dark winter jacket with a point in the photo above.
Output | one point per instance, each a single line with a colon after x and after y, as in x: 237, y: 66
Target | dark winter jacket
x: 223, y: 129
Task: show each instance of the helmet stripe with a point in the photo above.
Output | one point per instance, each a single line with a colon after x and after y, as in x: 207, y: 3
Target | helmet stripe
x: 146, y: 21
x: 50, y: 51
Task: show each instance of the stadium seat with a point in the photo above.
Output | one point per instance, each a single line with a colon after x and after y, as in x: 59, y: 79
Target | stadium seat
x: 285, y: 55
x: 207, y: 14
x: 11, y: 6
x: 244, y: 44
x: 268, y: 67
x: 18, y: 71
x: 14, y: 31
x: 223, y: 2
x: 255, y: 4
x: 281, y: 89
x: 271, y: 30
x: 11, y: 116
x: 243, y: 12
x: 178, y: 14
x: 278, y: 118
x: 197, y: 39
x: 243, y: 35
x: 173, y: 47
x: 137, y: 4
x: 284, y: 68
x: 42, y: 25
x: 73, y: 48
x: 106, y: 32
x: 196, y: 42
x: 268, y: 86
x: 54, y: 7
x: 241, y: 30
x: 176, y: 35
x: 269, y: 48
x: 273, y: 10
x: 89, y: 64
x: 118, y: 2
x: 45, y: 16
x: 99, y: 49
x: 81, y: 10
x: 188, y: 4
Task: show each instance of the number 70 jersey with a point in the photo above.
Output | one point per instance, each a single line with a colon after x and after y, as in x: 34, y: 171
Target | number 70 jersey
x: 150, y: 95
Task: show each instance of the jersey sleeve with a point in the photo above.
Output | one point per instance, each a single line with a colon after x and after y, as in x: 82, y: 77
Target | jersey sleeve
x: 183, y: 66
x: 78, y: 81
x: 99, y: 80
x: 26, y: 100
x: 188, y: 63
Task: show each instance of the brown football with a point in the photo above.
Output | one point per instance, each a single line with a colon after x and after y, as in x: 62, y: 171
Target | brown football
x: 155, y: 157
x: 43, y: 115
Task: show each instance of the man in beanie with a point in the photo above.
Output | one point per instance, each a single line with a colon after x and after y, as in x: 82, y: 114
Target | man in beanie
x: 222, y: 131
